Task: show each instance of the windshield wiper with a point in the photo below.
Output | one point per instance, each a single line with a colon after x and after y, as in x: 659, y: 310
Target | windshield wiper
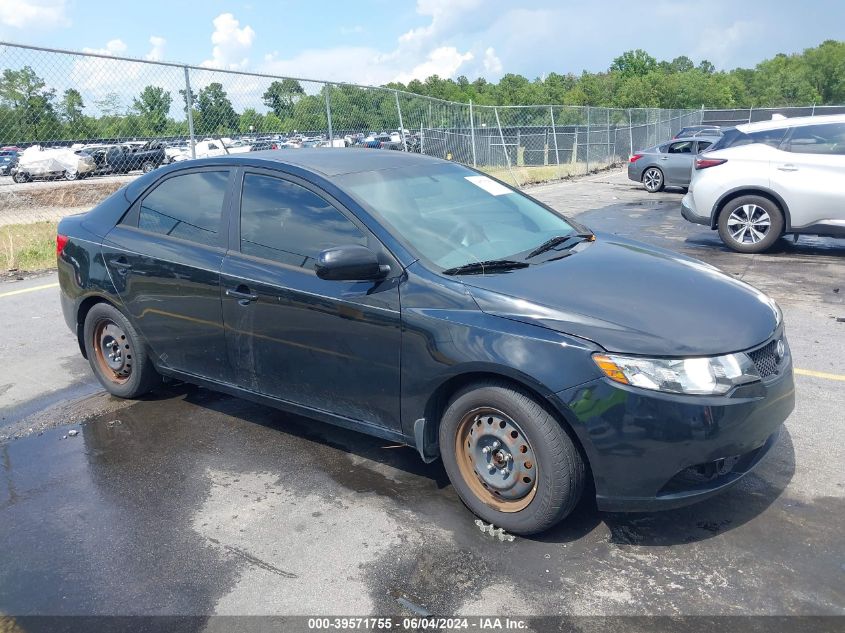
x: 558, y: 240
x: 488, y: 266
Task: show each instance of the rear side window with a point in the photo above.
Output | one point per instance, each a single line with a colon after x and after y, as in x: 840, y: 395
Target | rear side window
x: 287, y: 223
x: 684, y: 147
x: 188, y: 207
x: 735, y: 138
x: 703, y: 145
x: 817, y: 139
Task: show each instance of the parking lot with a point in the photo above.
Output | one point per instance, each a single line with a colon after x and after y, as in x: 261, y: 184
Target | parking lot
x: 191, y: 502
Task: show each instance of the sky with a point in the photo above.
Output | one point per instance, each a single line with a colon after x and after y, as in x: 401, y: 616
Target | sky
x: 376, y: 41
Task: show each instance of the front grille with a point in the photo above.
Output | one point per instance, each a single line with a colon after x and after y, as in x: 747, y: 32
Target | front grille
x: 765, y: 359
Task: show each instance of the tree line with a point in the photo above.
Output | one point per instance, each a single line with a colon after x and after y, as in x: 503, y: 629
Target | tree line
x: 30, y: 110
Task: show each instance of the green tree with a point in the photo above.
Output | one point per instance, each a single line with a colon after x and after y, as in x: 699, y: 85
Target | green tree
x: 216, y: 114
x: 31, y: 102
x: 826, y: 70
x: 636, y: 62
x: 71, y: 107
x: 153, y: 108
x: 281, y: 97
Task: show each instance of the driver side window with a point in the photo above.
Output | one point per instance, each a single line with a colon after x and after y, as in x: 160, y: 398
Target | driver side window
x: 287, y: 223
x: 684, y: 147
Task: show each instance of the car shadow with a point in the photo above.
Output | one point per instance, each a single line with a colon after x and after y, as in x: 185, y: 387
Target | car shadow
x: 396, y: 470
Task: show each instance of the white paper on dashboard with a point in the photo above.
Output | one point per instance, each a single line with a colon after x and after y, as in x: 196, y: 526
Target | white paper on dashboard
x: 489, y: 185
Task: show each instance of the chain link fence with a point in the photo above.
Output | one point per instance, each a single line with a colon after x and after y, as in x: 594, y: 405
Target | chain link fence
x: 74, y: 127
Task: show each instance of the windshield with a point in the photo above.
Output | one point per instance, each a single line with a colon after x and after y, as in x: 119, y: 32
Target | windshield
x: 451, y: 216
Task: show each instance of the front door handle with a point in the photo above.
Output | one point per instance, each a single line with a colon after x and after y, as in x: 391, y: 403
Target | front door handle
x: 664, y: 158
x: 242, y: 294
x: 787, y: 167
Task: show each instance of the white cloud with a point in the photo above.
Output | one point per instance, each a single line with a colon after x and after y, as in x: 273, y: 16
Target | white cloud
x: 492, y: 64
x: 113, y: 47
x: 232, y: 43
x: 443, y: 62
x: 156, y: 53
x: 444, y: 14
x: 29, y: 14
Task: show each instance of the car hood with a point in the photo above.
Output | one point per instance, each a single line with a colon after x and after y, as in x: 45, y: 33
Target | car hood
x: 632, y: 298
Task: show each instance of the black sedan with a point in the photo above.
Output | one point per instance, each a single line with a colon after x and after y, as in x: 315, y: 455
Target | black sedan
x: 423, y: 302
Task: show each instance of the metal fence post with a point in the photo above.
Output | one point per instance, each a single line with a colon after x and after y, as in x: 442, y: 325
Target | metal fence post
x: 401, y: 125
x: 504, y: 147
x: 750, y: 108
x: 588, y: 139
x: 631, y: 131
x: 329, y: 113
x: 813, y: 113
x: 701, y: 118
x: 554, y: 136
x: 189, y: 106
x: 472, y: 134
x: 607, y: 151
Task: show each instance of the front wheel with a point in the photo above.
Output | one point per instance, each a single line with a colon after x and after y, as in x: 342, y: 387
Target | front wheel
x: 117, y: 353
x: 20, y: 177
x: 147, y: 167
x: 71, y: 175
x: 750, y: 224
x: 653, y: 180
x: 509, y: 459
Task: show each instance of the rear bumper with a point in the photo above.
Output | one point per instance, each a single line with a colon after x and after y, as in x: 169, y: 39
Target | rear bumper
x: 650, y: 450
x: 688, y: 211
x: 635, y: 173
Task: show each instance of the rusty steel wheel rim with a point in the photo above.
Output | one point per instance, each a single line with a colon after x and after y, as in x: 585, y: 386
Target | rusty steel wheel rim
x: 496, y: 460
x: 113, y: 351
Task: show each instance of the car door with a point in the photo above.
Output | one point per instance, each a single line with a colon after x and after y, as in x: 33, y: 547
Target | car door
x: 327, y: 345
x: 677, y: 162
x: 807, y: 171
x: 164, y: 258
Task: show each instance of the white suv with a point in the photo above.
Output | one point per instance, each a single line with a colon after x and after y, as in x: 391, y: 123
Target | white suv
x: 763, y: 180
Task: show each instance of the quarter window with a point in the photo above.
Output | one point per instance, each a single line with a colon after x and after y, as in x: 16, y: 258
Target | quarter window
x: 287, y: 223
x: 818, y: 139
x: 187, y: 206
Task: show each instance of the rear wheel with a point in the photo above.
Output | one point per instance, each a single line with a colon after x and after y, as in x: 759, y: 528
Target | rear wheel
x: 147, y: 167
x: 117, y: 353
x: 70, y: 175
x: 750, y: 224
x: 510, y: 461
x: 653, y: 179
x: 20, y: 177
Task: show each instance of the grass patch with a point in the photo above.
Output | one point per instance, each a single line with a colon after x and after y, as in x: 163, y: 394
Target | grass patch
x: 28, y: 247
x: 535, y: 174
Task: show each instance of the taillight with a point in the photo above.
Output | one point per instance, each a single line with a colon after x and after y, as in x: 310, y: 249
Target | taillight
x: 635, y: 158
x: 61, y: 241
x: 274, y: 146
x: 704, y: 163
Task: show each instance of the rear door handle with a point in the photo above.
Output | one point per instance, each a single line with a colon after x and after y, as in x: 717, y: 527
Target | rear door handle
x: 664, y: 158
x: 242, y: 294
x: 787, y: 167
x: 122, y: 266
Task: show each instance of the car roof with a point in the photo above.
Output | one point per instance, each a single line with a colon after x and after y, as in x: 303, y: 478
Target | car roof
x: 330, y: 162
x: 776, y: 124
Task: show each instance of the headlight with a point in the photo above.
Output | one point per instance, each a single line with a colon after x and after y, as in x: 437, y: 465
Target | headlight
x: 702, y: 376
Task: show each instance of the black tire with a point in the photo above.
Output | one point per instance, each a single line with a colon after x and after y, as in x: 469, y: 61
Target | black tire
x: 559, y: 467
x: 653, y: 179
x: 147, y: 167
x: 136, y: 375
x: 20, y: 177
x: 70, y: 175
x: 732, y: 221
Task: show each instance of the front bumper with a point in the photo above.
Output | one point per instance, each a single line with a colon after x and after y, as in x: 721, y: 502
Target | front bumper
x: 688, y: 211
x: 651, y: 451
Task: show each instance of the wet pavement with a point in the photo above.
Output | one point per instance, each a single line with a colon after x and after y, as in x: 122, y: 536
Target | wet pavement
x: 190, y: 502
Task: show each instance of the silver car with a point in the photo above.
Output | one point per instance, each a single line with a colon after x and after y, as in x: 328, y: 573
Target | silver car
x: 669, y: 164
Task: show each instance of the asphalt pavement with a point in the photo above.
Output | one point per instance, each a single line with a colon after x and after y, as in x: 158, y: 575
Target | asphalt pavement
x: 190, y: 502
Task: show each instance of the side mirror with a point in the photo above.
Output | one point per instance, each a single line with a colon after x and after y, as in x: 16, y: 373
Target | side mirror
x: 349, y: 263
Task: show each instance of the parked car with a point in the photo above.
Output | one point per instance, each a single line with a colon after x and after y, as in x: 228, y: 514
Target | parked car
x: 699, y: 130
x: 423, y: 302
x: 8, y: 161
x: 37, y: 162
x: 121, y: 159
x: 772, y: 178
x: 667, y: 165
